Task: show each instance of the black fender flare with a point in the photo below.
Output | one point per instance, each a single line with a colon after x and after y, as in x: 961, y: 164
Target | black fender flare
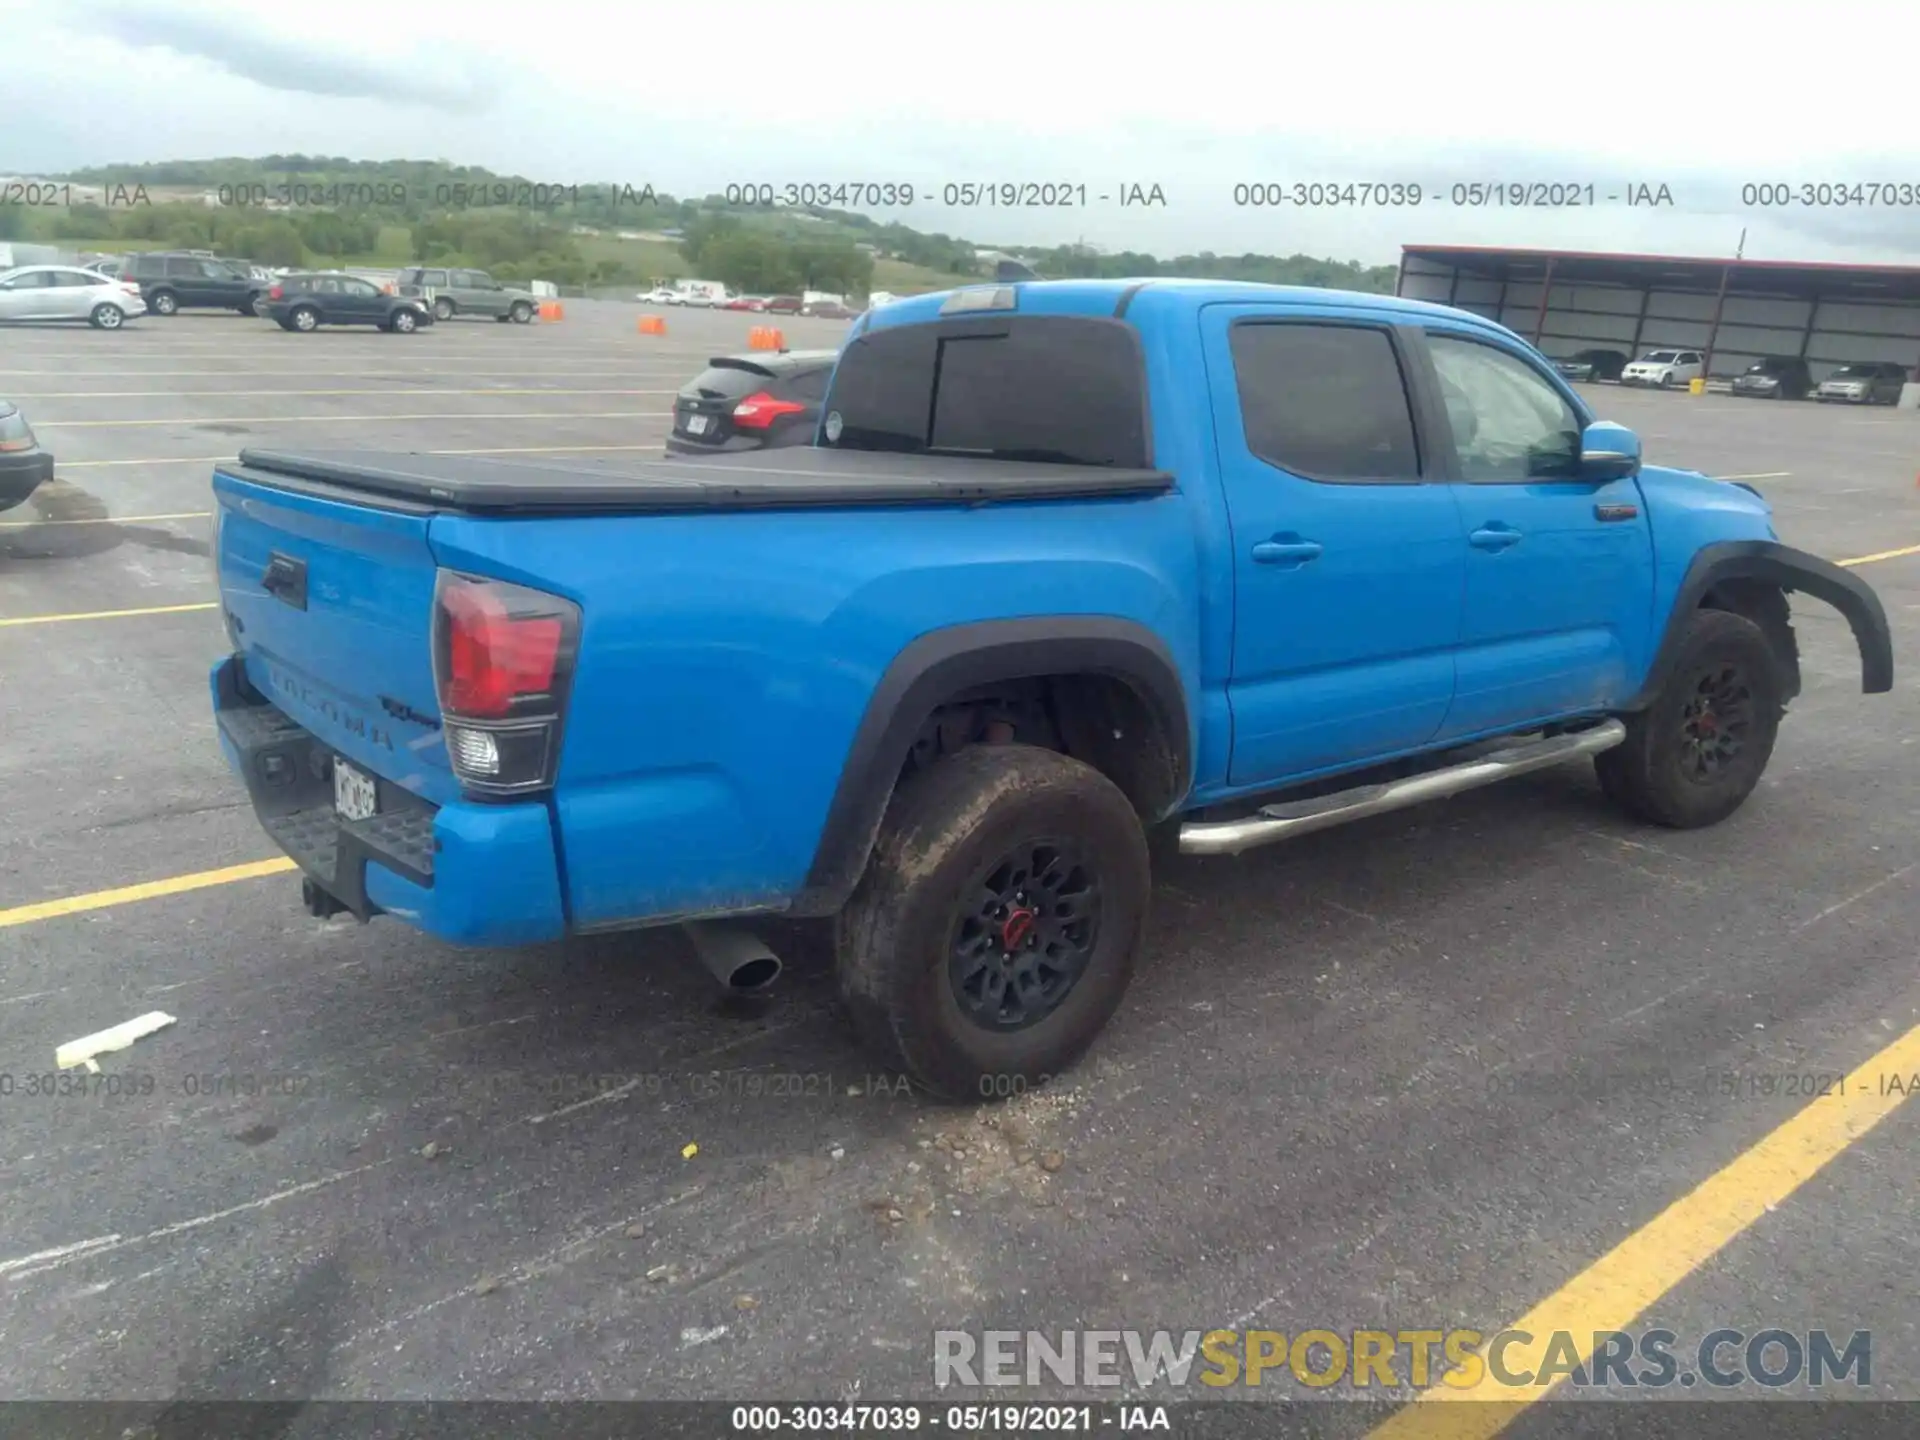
x: 1792, y: 570
x: 948, y: 661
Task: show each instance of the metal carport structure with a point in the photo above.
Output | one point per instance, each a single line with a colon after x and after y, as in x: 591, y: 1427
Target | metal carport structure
x: 1733, y: 311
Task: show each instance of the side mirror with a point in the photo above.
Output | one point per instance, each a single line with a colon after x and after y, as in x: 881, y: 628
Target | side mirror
x: 1608, y: 452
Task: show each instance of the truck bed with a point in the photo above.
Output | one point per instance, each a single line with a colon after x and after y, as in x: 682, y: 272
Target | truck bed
x: 771, y: 479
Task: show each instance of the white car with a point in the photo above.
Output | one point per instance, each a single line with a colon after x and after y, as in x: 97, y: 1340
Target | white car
x: 1664, y: 368
x: 67, y: 292
x: 661, y: 296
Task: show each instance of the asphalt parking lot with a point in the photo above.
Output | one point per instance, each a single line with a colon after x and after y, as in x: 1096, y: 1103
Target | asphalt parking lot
x: 1407, y: 1076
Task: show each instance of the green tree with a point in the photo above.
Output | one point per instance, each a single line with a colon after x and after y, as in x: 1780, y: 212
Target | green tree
x: 271, y: 242
x: 750, y: 262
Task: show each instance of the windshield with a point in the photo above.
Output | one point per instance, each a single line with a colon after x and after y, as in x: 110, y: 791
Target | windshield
x: 1856, y: 372
x: 1661, y: 357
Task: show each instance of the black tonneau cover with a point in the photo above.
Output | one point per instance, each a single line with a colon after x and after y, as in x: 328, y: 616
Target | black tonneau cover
x: 780, y: 478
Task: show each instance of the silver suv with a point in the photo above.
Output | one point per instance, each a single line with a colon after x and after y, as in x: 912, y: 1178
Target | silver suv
x: 450, y: 292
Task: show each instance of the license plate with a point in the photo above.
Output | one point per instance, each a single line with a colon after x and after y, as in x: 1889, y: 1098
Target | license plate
x: 696, y: 425
x: 354, y: 794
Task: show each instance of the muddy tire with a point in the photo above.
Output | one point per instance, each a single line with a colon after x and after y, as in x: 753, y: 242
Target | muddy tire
x: 1694, y: 755
x: 995, y: 930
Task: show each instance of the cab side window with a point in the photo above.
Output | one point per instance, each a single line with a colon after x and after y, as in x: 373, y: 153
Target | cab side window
x: 1509, y: 424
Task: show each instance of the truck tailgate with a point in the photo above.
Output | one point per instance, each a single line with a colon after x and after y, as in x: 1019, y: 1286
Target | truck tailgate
x: 330, y: 600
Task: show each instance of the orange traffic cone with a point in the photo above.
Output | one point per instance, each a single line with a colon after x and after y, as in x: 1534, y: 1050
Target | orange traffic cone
x: 552, y: 310
x: 652, y: 325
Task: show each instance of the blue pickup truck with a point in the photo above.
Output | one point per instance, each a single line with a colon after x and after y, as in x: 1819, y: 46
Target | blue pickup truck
x: 1072, y: 566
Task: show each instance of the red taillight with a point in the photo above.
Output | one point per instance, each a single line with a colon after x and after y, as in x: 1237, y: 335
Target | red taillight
x: 758, y: 411
x: 493, y: 658
x: 277, y: 293
x: 503, y: 662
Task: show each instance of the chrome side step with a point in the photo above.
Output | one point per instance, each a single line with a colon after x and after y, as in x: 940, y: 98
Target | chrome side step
x: 1302, y: 817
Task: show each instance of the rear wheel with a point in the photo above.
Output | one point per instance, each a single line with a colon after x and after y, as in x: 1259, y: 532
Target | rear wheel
x: 304, y: 318
x: 1694, y: 755
x: 164, y: 302
x: 106, y: 317
x: 443, y: 308
x: 994, y: 932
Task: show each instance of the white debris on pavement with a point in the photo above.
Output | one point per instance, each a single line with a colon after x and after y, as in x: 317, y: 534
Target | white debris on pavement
x: 83, y: 1050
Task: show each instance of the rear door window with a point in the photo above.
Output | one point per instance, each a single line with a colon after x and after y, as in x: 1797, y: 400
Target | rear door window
x: 183, y: 267
x: 1060, y: 388
x: 1326, y: 402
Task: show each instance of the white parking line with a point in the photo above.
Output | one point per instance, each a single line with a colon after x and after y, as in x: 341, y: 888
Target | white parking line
x: 471, y: 418
x: 17, y: 395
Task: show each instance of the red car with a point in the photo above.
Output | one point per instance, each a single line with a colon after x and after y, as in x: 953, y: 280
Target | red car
x: 784, y: 305
x: 745, y: 302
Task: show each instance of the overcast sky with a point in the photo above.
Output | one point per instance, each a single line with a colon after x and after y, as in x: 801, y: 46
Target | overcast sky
x: 1194, y: 97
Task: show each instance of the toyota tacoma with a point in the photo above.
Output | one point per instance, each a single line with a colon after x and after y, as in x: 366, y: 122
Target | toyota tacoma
x: 1071, y: 566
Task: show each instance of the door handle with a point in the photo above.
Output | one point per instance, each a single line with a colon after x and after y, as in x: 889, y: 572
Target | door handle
x: 1288, y: 550
x: 1494, y: 537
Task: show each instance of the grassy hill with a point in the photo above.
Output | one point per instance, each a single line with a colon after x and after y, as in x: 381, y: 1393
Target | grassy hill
x: 314, y: 209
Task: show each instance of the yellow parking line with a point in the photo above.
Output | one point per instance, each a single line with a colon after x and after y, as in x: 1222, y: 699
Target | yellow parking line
x: 1610, y: 1293
x: 109, y: 614
x: 477, y: 417
x: 149, y: 890
x: 107, y: 520
x: 383, y: 390
x: 1882, y: 555
x: 66, y: 465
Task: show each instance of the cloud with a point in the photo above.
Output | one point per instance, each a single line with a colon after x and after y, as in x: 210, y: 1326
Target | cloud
x: 291, y: 65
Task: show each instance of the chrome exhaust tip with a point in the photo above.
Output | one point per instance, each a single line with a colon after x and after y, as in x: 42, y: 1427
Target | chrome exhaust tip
x: 738, y: 959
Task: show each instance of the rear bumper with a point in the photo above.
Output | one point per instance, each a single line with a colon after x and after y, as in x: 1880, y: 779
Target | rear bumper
x: 470, y: 874
x: 732, y: 445
x: 21, y: 474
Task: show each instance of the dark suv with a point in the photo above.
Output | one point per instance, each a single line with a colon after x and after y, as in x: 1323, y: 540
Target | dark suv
x: 752, y: 402
x: 1775, y: 378
x: 173, y: 280
x: 306, y: 300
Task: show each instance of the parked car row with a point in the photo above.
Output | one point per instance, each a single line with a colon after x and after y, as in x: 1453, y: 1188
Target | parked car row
x: 1774, y: 377
x: 715, y: 299
x: 108, y: 291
